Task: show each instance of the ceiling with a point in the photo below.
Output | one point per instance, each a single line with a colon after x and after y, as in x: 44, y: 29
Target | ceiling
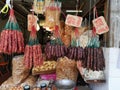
x: 23, y: 6
x: 22, y: 9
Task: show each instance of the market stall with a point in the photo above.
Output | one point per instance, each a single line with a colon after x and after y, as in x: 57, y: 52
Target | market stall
x: 58, y: 49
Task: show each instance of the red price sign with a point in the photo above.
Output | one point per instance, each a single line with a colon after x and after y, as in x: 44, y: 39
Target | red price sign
x: 100, y: 25
x: 72, y: 20
x: 32, y: 20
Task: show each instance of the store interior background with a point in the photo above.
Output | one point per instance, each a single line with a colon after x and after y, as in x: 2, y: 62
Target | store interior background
x: 110, y: 41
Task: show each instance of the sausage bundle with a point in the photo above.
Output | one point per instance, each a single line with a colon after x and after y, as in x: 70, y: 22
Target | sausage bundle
x: 33, y: 52
x: 76, y: 53
x: 55, y: 51
x: 11, y: 38
x: 94, y: 59
x: 33, y: 56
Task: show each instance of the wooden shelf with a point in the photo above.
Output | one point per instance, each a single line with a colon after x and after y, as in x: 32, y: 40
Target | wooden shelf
x: 45, y: 72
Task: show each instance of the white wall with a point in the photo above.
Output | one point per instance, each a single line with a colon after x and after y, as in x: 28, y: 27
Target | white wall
x: 112, y: 72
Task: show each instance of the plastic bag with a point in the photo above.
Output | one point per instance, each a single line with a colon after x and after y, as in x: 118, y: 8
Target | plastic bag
x: 39, y: 6
x: 31, y: 81
x: 19, y: 73
x: 47, y: 68
x: 10, y: 85
x: 66, y: 69
x: 52, y: 13
x: 7, y: 84
x: 66, y: 39
x: 68, y: 30
x: 94, y: 42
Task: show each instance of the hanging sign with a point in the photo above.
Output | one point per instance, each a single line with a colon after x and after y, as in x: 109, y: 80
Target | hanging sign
x: 32, y: 20
x: 74, y: 21
x: 100, y: 25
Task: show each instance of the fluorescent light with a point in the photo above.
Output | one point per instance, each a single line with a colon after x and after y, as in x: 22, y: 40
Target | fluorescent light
x: 74, y: 11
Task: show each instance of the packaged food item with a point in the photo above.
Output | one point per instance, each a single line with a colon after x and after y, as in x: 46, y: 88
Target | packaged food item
x: 32, y: 21
x: 68, y: 29
x: 52, y: 13
x: 39, y: 6
x: 47, y: 2
x: 66, y: 69
x: 62, y: 28
x: 31, y: 81
x: 10, y: 85
x: 36, y: 88
x: 82, y: 30
x: 90, y: 75
x: 47, y: 68
x: 19, y: 72
x: 7, y: 84
x: 16, y: 88
x: 66, y: 40
x: 48, y: 77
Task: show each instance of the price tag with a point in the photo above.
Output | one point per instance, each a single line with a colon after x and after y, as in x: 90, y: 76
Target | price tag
x: 32, y: 20
x: 100, y: 25
x: 74, y: 21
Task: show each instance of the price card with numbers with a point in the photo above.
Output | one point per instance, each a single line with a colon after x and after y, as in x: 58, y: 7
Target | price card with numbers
x: 74, y: 21
x: 100, y: 25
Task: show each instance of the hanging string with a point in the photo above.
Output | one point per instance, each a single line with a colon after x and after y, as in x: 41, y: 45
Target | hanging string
x: 57, y: 32
x: 107, y: 7
x: 77, y: 2
x: 89, y: 15
x: 11, y: 3
x: 89, y: 22
x: 94, y: 16
x: 94, y: 9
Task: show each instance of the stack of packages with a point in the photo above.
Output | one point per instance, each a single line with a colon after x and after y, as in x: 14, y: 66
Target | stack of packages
x: 20, y: 76
x: 11, y: 38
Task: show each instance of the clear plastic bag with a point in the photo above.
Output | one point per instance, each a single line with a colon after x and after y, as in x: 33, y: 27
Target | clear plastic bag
x: 52, y: 14
x: 94, y: 42
x: 7, y: 84
x: 66, y: 69
x: 39, y: 6
x: 19, y: 73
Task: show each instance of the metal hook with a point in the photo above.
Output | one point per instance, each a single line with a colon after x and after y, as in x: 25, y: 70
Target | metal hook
x: 8, y: 3
x: 6, y: 7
